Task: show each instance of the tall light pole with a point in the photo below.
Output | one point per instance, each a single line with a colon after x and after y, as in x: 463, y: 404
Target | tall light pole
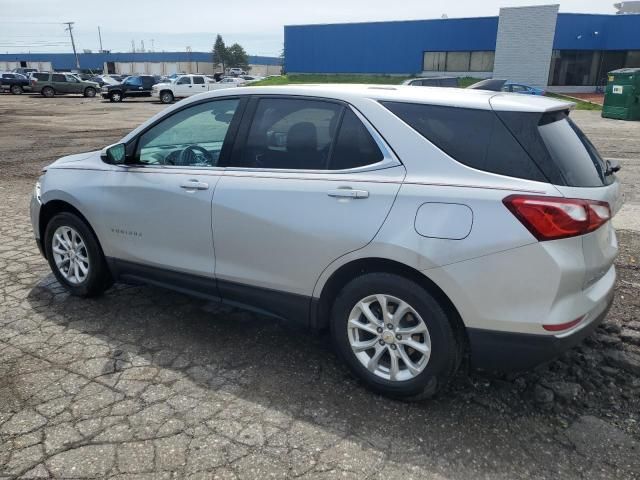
x: 100, y: 38
x: 73, y: 44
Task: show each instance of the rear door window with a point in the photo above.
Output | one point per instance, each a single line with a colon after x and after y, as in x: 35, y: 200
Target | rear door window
x: 473, y: 137
x: 57, y: 77
x: 198, y: 80
x: 289, y: 133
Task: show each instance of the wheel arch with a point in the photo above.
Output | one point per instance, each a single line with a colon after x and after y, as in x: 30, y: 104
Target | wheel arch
x: 320, y: 310
x: 54, y: 207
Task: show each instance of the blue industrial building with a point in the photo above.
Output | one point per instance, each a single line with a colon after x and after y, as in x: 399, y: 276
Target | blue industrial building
x: 567, y: 49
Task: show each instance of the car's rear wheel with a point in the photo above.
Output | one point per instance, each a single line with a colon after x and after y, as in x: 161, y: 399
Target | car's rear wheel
x: 16, y: 89
x: 394, y: 336
x: 75, y: 256
x: 90, y: 92
x: 115, y: 97
x: 48, y: 92
x: 166, y: 97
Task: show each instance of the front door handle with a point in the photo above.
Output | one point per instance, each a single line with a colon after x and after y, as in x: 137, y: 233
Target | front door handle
x: 348, y: 193
x: 194, y: 185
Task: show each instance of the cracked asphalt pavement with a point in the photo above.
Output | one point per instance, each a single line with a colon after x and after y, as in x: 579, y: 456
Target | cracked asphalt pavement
x: 143, y: 383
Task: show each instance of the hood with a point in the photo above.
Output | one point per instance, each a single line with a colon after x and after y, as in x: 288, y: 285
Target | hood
x: 74, y: 159
x: 163, y: 84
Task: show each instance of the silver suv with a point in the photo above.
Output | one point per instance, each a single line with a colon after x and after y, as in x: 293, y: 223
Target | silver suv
x: 419, y: 225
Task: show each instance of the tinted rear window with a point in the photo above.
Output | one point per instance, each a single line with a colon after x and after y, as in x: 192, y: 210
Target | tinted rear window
x: 476, y: 138
x: 41, y: 76
x: 559, y: 147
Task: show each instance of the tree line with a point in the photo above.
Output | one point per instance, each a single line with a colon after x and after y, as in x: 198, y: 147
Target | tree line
x: 229, y: 57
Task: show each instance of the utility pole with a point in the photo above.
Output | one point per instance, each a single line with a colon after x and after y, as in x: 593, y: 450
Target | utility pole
x: 133, y: 46
x: 100, y: 38
x: 73, y: 44
x: 152, y: 49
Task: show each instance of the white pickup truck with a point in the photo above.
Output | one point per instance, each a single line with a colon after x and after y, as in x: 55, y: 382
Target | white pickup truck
x: 186, y: 85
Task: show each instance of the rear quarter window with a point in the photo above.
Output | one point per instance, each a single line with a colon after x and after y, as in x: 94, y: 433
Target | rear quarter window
x: 41, y: 76
x: 473, y: 137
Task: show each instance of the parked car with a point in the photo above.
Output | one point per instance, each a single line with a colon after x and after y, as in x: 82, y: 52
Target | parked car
x: 103, y: 80
x: 24, y: 71
x: 236, y: 72
x: 417, y: 225
x: 49, y: 84
x: 135, y: 86
x: 520, y: 88
x: 187, y: 85
x: 14, y: 83
x: 432, y: 82
x: 489, y: 84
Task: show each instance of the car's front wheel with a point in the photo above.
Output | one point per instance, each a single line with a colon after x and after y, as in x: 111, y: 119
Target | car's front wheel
x: 16, y: 89
x: 166, y: 97
x: 75, y: 256
x: 90, y: 92
x: 394, y: 336
x: 115, y: 97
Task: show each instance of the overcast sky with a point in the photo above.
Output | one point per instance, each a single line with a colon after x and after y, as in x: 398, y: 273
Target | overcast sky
x: 31, y: 25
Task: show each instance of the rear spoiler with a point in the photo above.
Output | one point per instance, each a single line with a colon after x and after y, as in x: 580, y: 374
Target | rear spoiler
x: 527, y: 103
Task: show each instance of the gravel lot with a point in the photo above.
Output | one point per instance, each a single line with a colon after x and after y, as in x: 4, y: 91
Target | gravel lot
x: 145, y: 383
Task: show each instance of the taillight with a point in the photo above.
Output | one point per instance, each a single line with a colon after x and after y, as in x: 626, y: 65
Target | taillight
x: 551, y: 218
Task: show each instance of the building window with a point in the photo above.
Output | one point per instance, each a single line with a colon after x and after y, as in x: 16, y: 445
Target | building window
x: 481, y: 61
x: 588, y: 67
x: 633, y: 59
x: 434, y: 61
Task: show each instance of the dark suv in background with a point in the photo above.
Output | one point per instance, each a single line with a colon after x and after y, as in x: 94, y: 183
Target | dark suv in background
x: 14, y: 83
x: 135, y: 86
x: 50, y: 84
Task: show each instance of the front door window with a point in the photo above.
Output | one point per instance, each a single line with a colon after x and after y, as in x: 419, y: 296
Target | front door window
x: 192, y: 137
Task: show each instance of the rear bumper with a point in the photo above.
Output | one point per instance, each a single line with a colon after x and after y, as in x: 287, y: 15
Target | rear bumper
x: 511, y: 352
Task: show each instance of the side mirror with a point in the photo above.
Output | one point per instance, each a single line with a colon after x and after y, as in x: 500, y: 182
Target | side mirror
x: 114, y: 154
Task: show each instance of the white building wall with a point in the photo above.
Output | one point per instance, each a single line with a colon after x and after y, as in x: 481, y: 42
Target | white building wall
x: 169, y: 68
x: 524, y: 44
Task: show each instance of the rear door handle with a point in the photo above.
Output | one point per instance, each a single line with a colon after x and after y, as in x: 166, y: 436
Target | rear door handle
x: 348, y: 193
x: 194, y: 185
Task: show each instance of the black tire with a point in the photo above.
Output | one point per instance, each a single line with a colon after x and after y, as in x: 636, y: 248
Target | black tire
x: 98, y: 278
x: 445, y: 352
x: 166, y: 96
x: 90, y: 92
x: 115, y: 96
x: 48, y: 92
x: 16, y: 89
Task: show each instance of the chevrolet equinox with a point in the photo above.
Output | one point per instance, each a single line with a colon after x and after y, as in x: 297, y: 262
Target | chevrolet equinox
x: 420, y: 225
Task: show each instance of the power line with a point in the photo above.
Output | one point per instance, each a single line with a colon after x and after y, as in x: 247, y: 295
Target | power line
x: 31, y: 23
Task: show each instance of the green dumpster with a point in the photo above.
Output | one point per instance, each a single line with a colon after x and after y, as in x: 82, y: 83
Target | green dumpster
x: 622, y: 96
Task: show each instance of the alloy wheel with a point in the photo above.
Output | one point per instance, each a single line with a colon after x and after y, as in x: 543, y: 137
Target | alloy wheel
x: 389, y: 337
x: 70, y: 255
